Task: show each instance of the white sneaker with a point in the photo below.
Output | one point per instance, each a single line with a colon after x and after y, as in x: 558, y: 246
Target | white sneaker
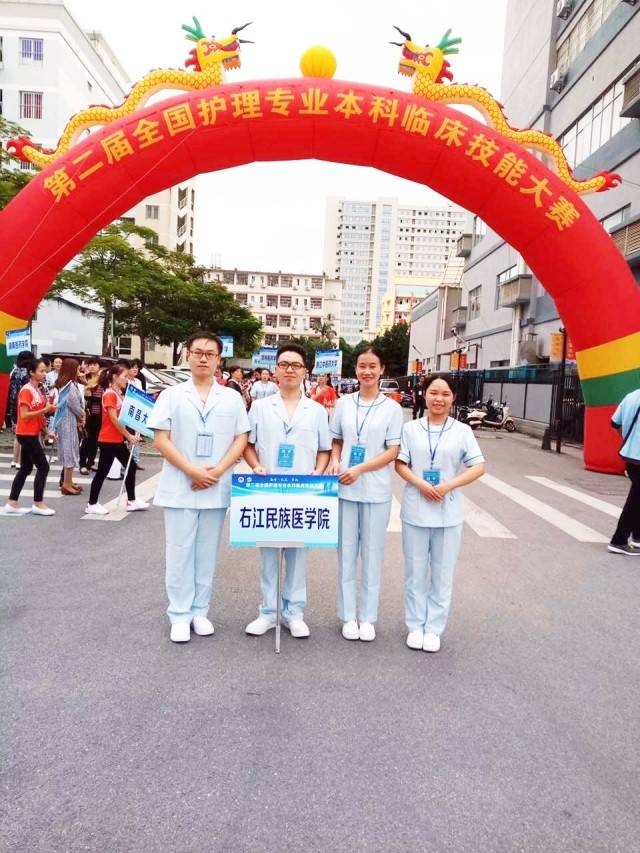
x: 202, y: 626
x: 38, y: 510
x: 633, y: 543
x: 14, y: 465
x: 367, y: 632
x: 16, y: 510
x: 297, y: 627
x: 135, y: 506
x: 259, y: 626
x: 415, y: 639
x: 180, y: 632
x: 96, y: 509
x: 431, y: 643
x: 350, y: 631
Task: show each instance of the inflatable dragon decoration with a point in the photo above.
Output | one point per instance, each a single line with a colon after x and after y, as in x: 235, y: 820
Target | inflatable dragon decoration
x: 209, y: 59
x: 212, y: 56
x: 429, y: 68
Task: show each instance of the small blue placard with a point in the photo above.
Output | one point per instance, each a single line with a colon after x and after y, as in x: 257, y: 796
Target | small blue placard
x: 17, y: 341
x: 227, y: 346
x: 135, y: 411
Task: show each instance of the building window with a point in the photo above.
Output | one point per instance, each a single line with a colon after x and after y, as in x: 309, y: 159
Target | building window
x: 285, y: 281
x: 595, y: 126
x: 242, y: 278
x: 124, y: 346
x: 502, y: 278
x: 182, y: 225
x: 152, y: 211
x: 315, y: 323
x: 285, y: 321
x: 474, y: 303
x: 31, y: 51
x: 0, y: 51
x: 241, y: 298
x: 272, y: 301
x: 503, y: 362
x: 30, y: 104
x: 479, y: 230
x: 285, y: 302
x: 616, y: 219
x: 182, y: 197
x: 594, y: 15
x: 271, y: 320
x: 315, y: 302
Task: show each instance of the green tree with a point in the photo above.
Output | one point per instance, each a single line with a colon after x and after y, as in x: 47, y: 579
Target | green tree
x: 394, y: 344
x: 12, y: 177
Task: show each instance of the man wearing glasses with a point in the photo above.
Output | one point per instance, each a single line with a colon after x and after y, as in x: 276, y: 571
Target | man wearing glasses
x: 200, y: 427
x: 289, y: 435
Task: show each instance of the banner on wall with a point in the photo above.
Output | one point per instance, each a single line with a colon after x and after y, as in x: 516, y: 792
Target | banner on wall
x: 556, y: 345
x: 227, y: 346
x: 328, y: 361
x: 265, y: 357
x: 17, y: 341
x: 284, y: 508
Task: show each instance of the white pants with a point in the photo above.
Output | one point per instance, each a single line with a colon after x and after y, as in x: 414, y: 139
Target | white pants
x: 428, y: 599
x: 294, y: 590
x: 192, y: 543
x: 363, y: 530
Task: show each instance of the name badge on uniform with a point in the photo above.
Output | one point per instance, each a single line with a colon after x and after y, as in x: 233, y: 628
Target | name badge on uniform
x: 431, y: 476
x: 286, y: 453
x: 356, y: 457
x: 204, y: 444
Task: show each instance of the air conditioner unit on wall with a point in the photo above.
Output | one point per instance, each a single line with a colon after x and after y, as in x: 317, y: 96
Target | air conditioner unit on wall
x: 557, y: 80
x: 564, y: 8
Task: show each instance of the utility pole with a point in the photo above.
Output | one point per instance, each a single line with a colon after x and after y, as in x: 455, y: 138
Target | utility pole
x: 560, y: 401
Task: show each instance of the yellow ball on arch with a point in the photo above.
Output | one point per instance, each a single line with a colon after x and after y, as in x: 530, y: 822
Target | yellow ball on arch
x: 318, y: 61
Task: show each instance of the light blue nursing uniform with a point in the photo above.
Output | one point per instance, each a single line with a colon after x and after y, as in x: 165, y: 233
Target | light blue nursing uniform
x: 260, y: 390
x: 307, y: 432
x: 626, y: 418
x: 366, y: 429
x: 194, y: 519
x: 432, y: 532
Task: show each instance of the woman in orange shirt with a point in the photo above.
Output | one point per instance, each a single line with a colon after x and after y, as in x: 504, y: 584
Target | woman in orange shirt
x: 324, y: 393
x: 32, y: 409
x: 111, y: 441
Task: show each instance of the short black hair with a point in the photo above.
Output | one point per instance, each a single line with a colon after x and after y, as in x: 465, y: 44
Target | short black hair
x: 33, y: 364
x: 370, y: 348
x: 450, y: 382
x: 292, y: 348
x: 93, y: 359
x: 124, y: 362
x: 233, y: 369
x: 207, y: 336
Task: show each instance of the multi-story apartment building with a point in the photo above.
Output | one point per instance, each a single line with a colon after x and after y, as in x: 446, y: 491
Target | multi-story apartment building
x: 402, y: 296
x: 577, y: 76
x: 368, y: 242
x: 288, y: 304
x: 51, y: 69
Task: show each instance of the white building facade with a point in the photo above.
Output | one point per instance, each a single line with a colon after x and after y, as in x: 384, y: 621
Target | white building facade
x: 576, y: 76
x: 288, y: 304
x: 368, y: 242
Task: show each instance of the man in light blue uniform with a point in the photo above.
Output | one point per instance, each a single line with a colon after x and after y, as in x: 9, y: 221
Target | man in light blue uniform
x: 264, y: 387
x: 626, y: 418
x: 201, y: 429
x: 289, y: 435
x: 433, y: 450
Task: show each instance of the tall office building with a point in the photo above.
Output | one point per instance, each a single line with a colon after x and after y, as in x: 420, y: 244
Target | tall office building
x: 367, y: 243
x: 577, y: 76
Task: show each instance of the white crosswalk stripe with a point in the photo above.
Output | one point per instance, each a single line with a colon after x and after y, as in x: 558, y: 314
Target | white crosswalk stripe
x: 582, y: 497
x: 553, y: 516
x: 118, y: 507
x: 8, y: 478
x: 484, y: 524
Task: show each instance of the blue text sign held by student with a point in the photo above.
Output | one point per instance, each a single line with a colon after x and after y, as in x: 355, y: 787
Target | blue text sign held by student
x: 284, y: 508
x: 135, y: 411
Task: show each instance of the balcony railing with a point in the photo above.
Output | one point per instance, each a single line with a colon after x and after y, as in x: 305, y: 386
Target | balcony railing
x: 516, y: 291
x: 464, y: 244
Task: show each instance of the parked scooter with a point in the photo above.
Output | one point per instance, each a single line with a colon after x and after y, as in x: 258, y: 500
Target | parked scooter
x: 495, y: 415
x: 464, y: 412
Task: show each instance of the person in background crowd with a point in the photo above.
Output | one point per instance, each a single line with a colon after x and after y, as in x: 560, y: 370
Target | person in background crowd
x: 418, y: 397
x: 32, y: 409
x: 93, y: 416
x: 136, y: 380
x: 289, y: 435
x: 136, y: 373
x: 70, y: 422
x: 264, y: 387
x: 235, y: 378
x: 52, y: 375
x: 306, y: 385
x: 18, y: 377
x: 366, y: 430
x: 111, y: 441
x: 220, y: 377
x: 324, y: 393
x: 626, y: 418
x: 201, y: 429
x: 432, y: 452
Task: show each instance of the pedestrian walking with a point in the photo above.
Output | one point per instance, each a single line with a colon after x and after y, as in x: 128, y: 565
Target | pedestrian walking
x: 111, y: 441
x: 235, y: 378
x: 438, y: 456
x: 200, y: 427
x: 289, y: 435
x: 626, y: 418
x: 325, y: 394
x: 70, y: 421
x: 418, y: 397
x: 93, y: 416
x: 18, y: 377
x: 32, y: 410
x: 365, y: 429
x: 52, y: 375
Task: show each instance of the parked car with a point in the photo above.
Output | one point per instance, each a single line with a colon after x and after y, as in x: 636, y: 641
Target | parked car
x: 391, y: 388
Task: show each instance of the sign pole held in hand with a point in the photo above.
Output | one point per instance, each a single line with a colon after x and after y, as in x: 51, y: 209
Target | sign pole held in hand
x: 126, y: 470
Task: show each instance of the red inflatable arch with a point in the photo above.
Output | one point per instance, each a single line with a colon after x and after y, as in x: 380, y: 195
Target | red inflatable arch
x: 110, y: 171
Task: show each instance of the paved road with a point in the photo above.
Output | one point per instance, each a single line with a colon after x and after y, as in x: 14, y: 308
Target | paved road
x: 520, y: 735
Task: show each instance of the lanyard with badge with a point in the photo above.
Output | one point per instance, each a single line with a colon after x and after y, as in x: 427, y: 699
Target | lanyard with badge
x: 358, y: 450
x: 286, y: 452
x: 204, y: 440
x: 431, y: 475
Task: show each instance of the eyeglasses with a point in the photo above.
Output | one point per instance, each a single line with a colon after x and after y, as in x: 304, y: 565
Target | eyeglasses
x: 200, y: 354
x: 290, y: 365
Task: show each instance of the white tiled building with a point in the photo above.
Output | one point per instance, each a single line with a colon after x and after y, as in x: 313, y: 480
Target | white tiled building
x: 367, y: 243
x: 288, y: 304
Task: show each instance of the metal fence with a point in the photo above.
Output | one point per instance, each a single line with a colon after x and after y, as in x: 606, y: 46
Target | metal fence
x: 532, y: 392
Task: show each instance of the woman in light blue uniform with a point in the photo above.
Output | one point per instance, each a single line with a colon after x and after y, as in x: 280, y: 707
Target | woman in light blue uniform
x: 438, y: 455
x: 366, y: 429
